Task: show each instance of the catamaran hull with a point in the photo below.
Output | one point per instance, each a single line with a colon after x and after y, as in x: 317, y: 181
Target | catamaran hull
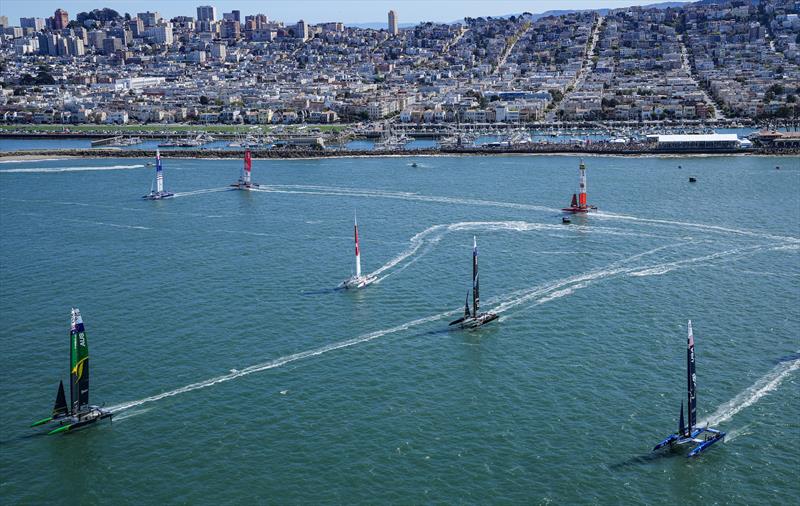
x: 74, y: 422
x: 579, y: 210
x: 713, y: 436
x: 473, y: 323
x: 245, y: 186
x: 357, y: 282
x: 158, y: 196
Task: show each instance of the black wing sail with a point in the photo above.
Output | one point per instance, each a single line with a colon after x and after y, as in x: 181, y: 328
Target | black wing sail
x: 466, y: 306
x: 574, y: 202
x: 60, y: 408
x: 691, y: 380
x: 682, y: 423
x: 475, y: 289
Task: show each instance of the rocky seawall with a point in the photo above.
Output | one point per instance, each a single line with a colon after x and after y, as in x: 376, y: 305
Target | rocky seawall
x: 591, y: 149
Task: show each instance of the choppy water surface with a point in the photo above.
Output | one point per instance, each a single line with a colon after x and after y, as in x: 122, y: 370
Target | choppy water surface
x: 238, y: 375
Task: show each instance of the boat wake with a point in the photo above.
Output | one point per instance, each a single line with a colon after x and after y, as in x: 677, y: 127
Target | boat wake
x: 435, y: 233
x: 278, y: 362
x: 374, y: 193
x: 698, y: 226
x: 47, y: 170
x: 201, y: 192
x: 337, y: 191
x: 536, y: 295
x: 33, y: 160
x: 768, y: 383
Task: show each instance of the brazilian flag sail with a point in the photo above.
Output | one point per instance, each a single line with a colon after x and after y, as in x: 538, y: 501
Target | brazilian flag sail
x: 79, y: 364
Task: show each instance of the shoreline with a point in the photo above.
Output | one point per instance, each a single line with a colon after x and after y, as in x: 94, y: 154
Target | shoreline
x: 308, y: 154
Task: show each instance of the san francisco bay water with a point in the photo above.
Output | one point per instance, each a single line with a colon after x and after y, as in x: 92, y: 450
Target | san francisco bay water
x: 238, y: 375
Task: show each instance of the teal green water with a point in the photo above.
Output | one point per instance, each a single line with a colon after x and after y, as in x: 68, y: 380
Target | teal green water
x: 239, y: 376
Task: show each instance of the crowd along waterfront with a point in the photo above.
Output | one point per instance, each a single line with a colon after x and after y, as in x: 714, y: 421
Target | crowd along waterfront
x: 236, y: 372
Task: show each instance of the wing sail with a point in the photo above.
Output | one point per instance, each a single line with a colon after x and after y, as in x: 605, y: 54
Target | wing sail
x: 79, y: 363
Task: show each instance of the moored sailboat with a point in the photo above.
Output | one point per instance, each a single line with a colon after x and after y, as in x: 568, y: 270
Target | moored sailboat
x: 579, y: 204
x: 159, y: 192
x: 357, y: 280
x: 474, y: 319
x: 702, y: 437
x: 245, y: 181
x: 78, y: 412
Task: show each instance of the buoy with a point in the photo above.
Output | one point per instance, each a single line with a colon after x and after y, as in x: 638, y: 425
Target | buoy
x: 680, y: 167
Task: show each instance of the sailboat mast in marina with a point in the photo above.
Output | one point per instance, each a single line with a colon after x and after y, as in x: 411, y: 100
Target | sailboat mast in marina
x: 159, y: 192
x: 358, y: 280
x: 476, y: 318
x: 245, y: 181
x: 703, y: 437
x: 78, y: 412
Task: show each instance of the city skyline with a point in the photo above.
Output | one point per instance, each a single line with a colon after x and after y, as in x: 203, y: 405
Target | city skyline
x: 317, y: 11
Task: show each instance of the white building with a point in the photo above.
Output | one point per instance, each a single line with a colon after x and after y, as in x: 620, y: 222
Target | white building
x: 393, y: 23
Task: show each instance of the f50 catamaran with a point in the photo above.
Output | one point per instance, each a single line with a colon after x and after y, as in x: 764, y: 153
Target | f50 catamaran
x: 358, y: 280
x: 578, y: 204
x: 245, y: 182
x: 159, y: 192
x: 475, y: 319
x: 691, y: 433
x: 79, y: 412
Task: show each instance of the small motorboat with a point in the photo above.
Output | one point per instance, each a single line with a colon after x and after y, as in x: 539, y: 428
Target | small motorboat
x: 692, y: 179
x: 566, y: 220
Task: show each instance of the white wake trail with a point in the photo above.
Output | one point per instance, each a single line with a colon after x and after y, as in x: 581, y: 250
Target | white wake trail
x: 768, y: 383
x: 355, y: 192
x: 434, y: 234
x: 202, y: 192
x: 546, y: 292
x: 46, y: 170
x: 698, y: 226
x: 34, y: 160
x: 278, y: 362
x: 364, y: 192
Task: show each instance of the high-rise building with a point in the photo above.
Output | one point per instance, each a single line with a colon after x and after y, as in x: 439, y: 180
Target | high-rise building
x: 60, y: 19
x: 4, y: 21
x: 393, y: 23
x: 206, y: 13
x: 301, y: 30
x: 161, y: 34
x: 111, y: 45
x: 75, y: 46
x: 149, y: 18
x: 218, y: 52
x: 34, y: 23
x: 136, y: 26
x: 230, y: 29
x: 232, y: 16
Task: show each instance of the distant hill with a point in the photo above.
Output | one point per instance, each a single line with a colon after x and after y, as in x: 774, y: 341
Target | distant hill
x: 603, y: 11
x: 381, y: 24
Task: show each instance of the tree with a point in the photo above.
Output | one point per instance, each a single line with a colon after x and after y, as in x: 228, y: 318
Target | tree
x: 203, y: 100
